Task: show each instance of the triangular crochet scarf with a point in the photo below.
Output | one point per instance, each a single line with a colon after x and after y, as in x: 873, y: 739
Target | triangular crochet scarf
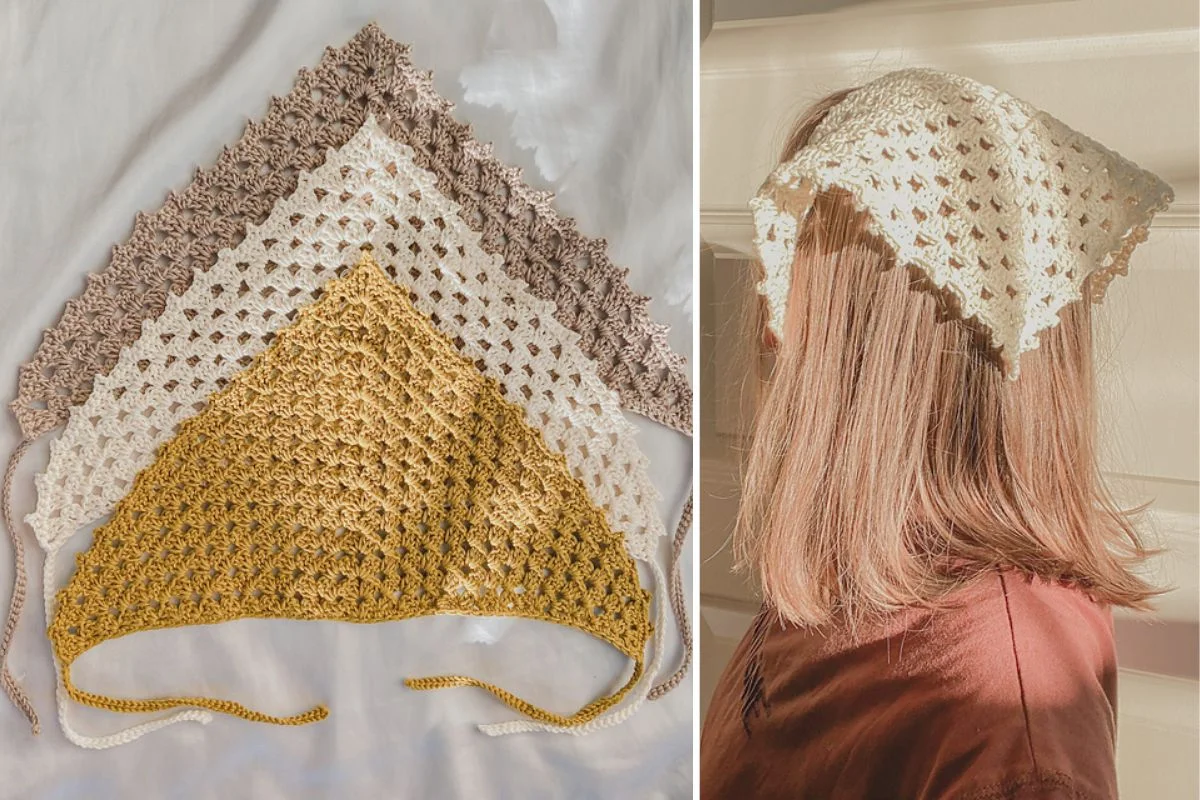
x: 168, y: 248
x: 370, y: 75
x: 360, y: 470
x: 1005, y: 210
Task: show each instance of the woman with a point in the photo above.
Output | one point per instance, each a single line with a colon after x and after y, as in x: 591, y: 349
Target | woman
x: 921, y: 505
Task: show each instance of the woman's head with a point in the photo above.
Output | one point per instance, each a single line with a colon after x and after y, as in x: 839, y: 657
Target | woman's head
x: 892, y: 459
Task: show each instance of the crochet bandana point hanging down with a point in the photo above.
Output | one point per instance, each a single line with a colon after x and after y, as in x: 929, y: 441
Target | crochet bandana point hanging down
x: 1004, y: 208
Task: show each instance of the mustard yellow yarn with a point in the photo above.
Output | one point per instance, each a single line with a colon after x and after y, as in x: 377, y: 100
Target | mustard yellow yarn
x: 360, y: 469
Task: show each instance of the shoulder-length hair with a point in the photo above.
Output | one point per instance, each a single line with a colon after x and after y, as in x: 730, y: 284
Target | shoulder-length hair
x: 891, y: 460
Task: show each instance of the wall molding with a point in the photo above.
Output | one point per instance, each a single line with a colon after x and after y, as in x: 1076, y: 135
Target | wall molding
x: 1159, y: 700
x: 742, y: 62
x: 727, y: 619
x: 719, y: 477
x: 877, y: 8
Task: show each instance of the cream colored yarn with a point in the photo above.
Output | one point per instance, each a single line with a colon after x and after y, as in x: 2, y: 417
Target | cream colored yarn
x: 1002, y: 206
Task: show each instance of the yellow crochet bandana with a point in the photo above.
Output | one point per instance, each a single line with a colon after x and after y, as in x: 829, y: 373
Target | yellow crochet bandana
x: 362, y: 470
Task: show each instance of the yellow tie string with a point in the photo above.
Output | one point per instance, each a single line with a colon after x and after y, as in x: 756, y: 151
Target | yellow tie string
x: 585, y: 714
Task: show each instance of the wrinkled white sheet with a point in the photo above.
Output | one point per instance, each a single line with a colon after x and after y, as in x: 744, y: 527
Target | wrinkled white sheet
x: 107, y: 104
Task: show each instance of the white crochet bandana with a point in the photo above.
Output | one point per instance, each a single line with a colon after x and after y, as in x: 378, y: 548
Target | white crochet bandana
x: 1001, y: 205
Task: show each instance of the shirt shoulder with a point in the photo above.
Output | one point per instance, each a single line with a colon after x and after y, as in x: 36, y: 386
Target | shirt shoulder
x: 1006, y: 692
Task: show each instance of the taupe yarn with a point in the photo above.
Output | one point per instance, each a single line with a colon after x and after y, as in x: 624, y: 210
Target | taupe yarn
x: 678, y: 604
x: 11, y: 688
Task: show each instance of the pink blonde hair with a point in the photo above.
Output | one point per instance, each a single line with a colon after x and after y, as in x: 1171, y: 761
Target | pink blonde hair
x: 891, y: 460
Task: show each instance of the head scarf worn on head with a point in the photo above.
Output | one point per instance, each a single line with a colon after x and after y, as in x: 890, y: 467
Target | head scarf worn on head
x: 1004, y: 208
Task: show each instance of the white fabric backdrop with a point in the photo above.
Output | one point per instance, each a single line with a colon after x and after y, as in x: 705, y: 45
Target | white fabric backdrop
x: 107, y: 104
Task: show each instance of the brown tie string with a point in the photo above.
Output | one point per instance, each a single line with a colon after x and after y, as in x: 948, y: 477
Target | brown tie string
x: 679, y: 603
x: 14, y: 691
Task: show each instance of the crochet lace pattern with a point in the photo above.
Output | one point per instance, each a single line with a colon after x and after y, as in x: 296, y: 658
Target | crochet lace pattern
x: 361, y: 469
x: 1003, y: 207
x: 368, y: 192
x: 370, y: 75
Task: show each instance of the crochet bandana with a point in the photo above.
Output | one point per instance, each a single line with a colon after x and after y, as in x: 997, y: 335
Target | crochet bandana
x: 361, y: 469
x: 361, y: 154
x: 1004, y: 208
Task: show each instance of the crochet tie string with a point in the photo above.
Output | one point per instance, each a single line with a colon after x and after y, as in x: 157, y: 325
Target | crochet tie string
x: 315, y: 714
x: 678, y: 604
x: 11, y: 688
x: 583, y: 715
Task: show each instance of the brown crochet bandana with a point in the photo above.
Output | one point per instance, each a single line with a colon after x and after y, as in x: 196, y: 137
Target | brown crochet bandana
x: 370, y: 74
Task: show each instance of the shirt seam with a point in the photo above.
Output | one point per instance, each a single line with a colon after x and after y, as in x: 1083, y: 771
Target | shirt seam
x: 1012, y: 634
x: 1034, y: 779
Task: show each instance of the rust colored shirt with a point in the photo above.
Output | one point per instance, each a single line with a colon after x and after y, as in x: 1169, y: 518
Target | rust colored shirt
x: 1009, y: 693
